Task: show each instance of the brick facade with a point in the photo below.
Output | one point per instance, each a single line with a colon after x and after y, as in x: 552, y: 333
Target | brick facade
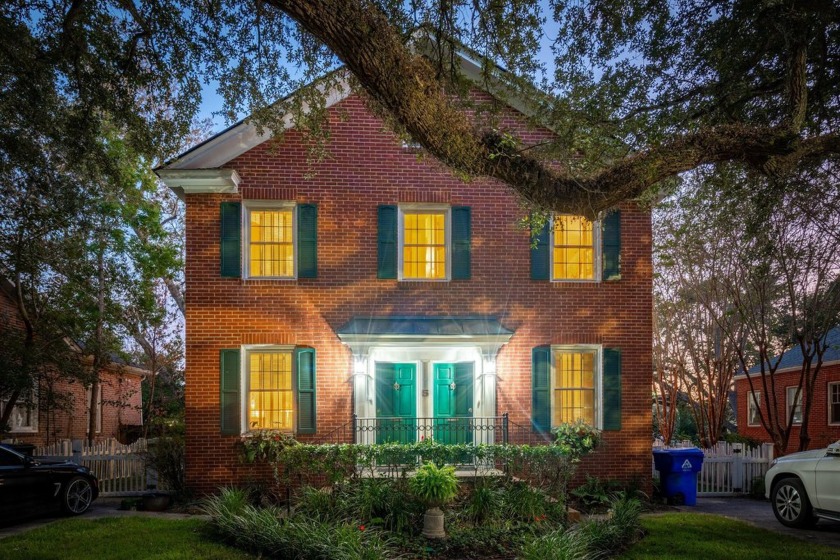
x: 822, y: 432
x: 368, y: 167
x: 121, y: 398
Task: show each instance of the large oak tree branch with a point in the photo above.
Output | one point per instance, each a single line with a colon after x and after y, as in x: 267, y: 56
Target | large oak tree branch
x: 406, y: 85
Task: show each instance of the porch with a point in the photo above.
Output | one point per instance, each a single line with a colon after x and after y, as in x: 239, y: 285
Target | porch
x: 450, y: 430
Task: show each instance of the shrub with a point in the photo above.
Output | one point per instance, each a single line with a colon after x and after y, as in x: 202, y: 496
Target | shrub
x: 483, y: 504
x: 590, y: 539
x: 433, y: 485
x: 596, y: 492
x: 166, y: 456
x: 266, y: 531
x: 524, y: 503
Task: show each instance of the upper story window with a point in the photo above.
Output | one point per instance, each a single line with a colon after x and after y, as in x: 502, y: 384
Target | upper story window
x: 270, y: 240
x: 834, y: 403
x: 270, y: 397
x: 424, y: 239
x: 753, y: 406
x: 575, y: 385
x: 794, y: 405
x: 573, y: 248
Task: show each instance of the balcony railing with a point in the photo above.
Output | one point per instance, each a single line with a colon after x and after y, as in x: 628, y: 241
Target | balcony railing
x: 447, y: 430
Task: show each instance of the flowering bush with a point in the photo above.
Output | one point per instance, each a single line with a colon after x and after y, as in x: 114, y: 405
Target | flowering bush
x: 576, y: 439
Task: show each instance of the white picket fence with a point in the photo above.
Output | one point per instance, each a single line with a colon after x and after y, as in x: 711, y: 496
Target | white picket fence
x: 730, y: 468
x: 121, y: 469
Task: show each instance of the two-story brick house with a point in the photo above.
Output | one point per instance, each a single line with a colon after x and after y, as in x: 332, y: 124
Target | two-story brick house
x: 378, y: 284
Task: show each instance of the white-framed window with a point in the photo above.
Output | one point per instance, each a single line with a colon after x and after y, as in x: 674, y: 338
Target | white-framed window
x: 268, y: 388
x: 98, y: 408
x: 753, y: 407
x: 270, y: 239
x: 424, y: 233
x: 834, y: 403
x: 576, y: 384
x: 24, y: 417
x: 794, y: 404
x: 575, y: 249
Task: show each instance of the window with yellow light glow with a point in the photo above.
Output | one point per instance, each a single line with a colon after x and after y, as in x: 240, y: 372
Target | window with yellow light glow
x: 424, y: 245
x: 271, y: 251
x: 573, y: 251
x: 270, y: 395
x: 574, y: 387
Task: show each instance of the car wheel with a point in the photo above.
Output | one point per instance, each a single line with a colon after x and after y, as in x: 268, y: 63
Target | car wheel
x: 77, y: 496
x: 791, y: 504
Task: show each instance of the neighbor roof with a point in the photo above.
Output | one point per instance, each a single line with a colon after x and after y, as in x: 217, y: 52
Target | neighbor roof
x: 793, y: 356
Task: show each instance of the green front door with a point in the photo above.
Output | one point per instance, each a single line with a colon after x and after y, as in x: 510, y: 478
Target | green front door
x: 396, y: 403
x: 453, y: 394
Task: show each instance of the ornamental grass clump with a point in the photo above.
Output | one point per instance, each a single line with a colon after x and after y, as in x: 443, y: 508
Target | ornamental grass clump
x: 435, y: 487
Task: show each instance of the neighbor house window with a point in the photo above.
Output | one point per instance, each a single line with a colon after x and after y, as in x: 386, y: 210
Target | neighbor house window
x: 24, y: 417
x: 575, y: 385
x: 753, y: 406
x: 794, y: 405
x: 834, y: 403
x: 270, y: 240
x: 573, y: 250
x: 98, y: 423
x: 424, y: 243
x: 270, y: 399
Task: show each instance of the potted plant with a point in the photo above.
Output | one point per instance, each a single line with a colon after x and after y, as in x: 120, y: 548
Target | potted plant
x: 435, y: 487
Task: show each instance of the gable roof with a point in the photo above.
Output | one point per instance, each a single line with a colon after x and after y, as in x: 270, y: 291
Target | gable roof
x: 792, y: 358
x: 197, y: 169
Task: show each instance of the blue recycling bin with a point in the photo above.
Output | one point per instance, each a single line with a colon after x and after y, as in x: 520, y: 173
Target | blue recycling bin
x: 678, y: 470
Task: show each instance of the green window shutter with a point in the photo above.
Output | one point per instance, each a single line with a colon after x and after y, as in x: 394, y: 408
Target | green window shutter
x: 231, y: 401
x: 231, y: 239
x: 307, y: 241
x: 306, y: 409
x: 612, y: 388
x: 541, y: 388
x: 611, y: 249
x: 461, y: 242
x: 541, y: 255
x: 387, y: 242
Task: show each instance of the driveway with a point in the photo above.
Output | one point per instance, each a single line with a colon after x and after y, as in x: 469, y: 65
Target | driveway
x: 760, y: 514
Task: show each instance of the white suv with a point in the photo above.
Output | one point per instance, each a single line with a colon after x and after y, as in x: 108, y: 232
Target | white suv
x: 805, y: 486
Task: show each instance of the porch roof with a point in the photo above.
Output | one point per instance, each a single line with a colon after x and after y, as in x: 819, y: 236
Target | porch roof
x: 424, y: 326
x: 424, y: 330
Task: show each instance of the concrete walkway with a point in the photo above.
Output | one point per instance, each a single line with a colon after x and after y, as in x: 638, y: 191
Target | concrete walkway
x: 760, y: 514
x: 103, y: 507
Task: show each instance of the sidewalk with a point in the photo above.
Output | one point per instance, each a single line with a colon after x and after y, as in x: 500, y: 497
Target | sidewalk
x: 103, y: 507
x: 760, y: 514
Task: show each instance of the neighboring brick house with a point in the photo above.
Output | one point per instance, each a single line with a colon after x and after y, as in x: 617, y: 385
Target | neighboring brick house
x: 824, y: 421
x: 119, y: 397
x: 383, y: 286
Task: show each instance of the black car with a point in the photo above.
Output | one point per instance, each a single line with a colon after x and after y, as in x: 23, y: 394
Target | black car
x: 29, y: 486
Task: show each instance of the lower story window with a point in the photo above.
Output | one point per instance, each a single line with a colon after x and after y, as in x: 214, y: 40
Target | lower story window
x: 24, y: 417
x: 270, y: 397
x: 574, y: 386
x: 753, y: 406
x: 794, y: 405
x: 834, y: 403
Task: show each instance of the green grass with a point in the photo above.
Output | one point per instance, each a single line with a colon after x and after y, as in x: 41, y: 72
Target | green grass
x: 680, y: 536
x: 118, y: 538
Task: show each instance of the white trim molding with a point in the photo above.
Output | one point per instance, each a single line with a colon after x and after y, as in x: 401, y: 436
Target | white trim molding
x: 200, y: 181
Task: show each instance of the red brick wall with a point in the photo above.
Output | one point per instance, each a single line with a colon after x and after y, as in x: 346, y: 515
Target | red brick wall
x: 121, y: 398
x: 368, y: 167
x: 822, y: 433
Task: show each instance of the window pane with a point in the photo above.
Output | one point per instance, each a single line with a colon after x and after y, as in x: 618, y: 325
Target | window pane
x: 834, y: 402
x: 753, y: 405
x: 574, y: 387
x: 270, y: 397
x: 574, y: 252
x: 272, y: 242
x: 424, y: 245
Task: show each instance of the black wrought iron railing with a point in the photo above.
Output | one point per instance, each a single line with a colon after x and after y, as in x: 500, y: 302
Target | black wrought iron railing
x: 447, y: 430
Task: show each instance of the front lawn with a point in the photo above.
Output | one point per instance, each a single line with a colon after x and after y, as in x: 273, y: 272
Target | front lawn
x: 672, y: 536
x: 678, y: 536
x: 119, y: 538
